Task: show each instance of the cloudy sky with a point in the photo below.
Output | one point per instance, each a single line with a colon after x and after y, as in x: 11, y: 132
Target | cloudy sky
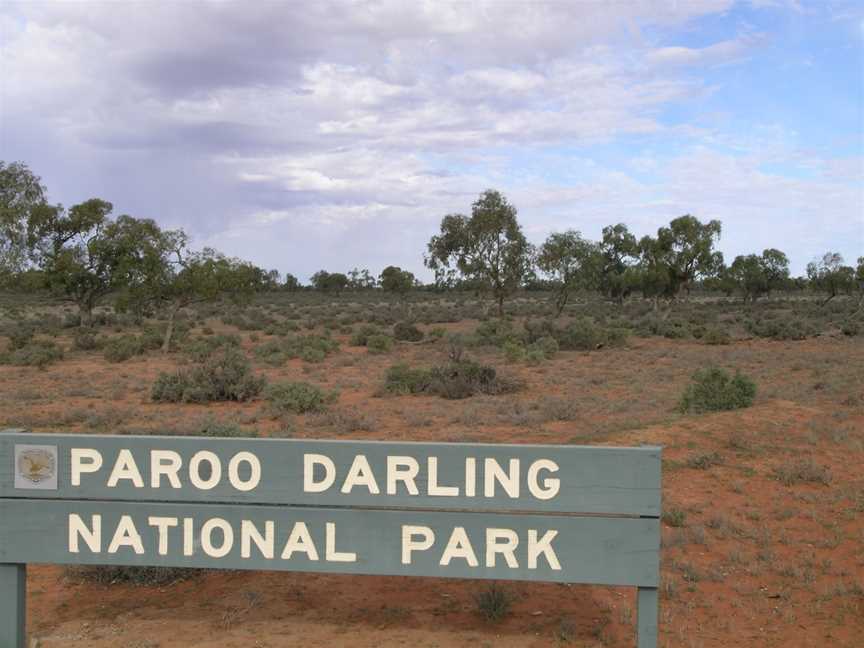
x: 308, y: 135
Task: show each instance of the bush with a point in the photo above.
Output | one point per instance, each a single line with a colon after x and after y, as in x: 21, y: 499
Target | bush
x: 361, y: 337
x: 379, y: 343
x: 35, y: 354
x: 146, y: 576
x: 21, y: 337
x: 311, y: 348
x: 296, y: 397
x: 85, y: 340
x: 201, y: 348
x: 715, y: 336
x: 407, y: 332
x: 513, y: 351
x: 455, y: 380
x: 402, y: 379
x: 120, y: 349
x: 713, y: 389
x: 223, y: 429
x: 493, y: 602
x: 224, y: 376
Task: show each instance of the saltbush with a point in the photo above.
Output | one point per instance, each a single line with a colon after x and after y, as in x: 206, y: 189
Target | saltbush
x: 407, y: 332
x: 296, y: 397
x: 224, y: 376
x: 121, y: 348
x: 714, y: 389
x: 40, y: 353
x: 379, y: 343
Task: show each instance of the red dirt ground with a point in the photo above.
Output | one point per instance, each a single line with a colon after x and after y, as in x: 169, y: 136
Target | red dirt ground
x: 756, y: 562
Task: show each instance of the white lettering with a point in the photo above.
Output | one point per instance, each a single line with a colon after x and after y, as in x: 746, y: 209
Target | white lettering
x: 162, y: 523
x: 434, y: 488
x: 254, y: 471
x: 125, y: 468
x: 249, y: 533
x: 92, y: 536
x: 330, y: 553
x: 84, y: 460
x: 164, y: 462
x: 195, y: 470
x: 309, y: 463
x: 300, y: 540
x: 126, y: 535
x: 207, y: 538
x: 409, y: 544
x: 402, y: 469
x: 507, y: 548
x: 360, y: 474
x: 509, y: 481
x: 544, y: 547
x: 459, y: 546
x: 551, y: 485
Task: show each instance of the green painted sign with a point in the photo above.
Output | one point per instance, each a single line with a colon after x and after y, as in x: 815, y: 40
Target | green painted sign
x: 484, y: 511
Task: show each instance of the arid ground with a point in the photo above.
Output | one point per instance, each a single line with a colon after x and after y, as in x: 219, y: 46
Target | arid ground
x: 763, y: 530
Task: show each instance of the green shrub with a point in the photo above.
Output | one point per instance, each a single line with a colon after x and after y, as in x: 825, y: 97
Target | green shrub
x: 310, y: 348
x: 513, y: 351
x: 402, y: 379
x: 121, y: 348
x: 296, y: 397
x: 495, y: 332
x: 144, y: 576
x: 227, y: 429
x: 85, y: 340
x: 201, y: 348
x: 21, y: 337
x: 223, y: 376
x: 35, y: 354
x: 361, y: 336
x: 715, y: 336
x: 437, y: 333
x: 379, y: 343
x: 407, y: 332
x: 455, y: 380
x: 493, y: 602
x: 546, y: 347
x: 713, y: 389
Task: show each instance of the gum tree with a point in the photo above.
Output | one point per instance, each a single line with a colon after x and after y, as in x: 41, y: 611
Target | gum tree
x: 487, y: 248
x: 572, y: 263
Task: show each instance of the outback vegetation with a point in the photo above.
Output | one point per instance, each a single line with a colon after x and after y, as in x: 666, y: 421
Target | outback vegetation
x: 751, y: 379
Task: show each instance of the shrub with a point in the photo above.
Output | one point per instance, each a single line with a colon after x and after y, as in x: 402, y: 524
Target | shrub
x: 546, y: 347
x: 402, y: 379
x: 310, y: 348
x: 379, y: 343
x: 296, y: 397
x: 146, y: 576
x: 513, y: 351
x: 21, y: 337
x: 455, y: 380
x: 85, y: 340
x: 674, y: 517
x: 35, y: 354
x: 715, y: 336
x: 495, y: 332
x: 493, y: 602
x: 201, y: 348
x: 802, y: 471
x: 713, y: 389
x: 407, y: 332
x: 121, y: 348
x: 225, y: 429
x: 361, y: 336
x: 224, y: 376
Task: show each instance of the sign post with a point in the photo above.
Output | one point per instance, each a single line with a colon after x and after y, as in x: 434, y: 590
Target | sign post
x: 574, y: 514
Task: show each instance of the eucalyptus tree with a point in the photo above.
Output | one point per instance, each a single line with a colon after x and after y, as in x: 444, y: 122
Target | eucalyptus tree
x: 829, y: 275
x: 488, y: 248
x: 572, y: 263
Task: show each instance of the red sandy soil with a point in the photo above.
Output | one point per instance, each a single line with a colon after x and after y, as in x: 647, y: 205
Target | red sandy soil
x: 756, y: 562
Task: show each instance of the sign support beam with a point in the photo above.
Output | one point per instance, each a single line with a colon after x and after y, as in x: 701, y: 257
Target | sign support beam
x: 13, y: 582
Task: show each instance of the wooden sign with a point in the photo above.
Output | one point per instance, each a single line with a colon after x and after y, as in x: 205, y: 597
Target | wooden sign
x: 485, y: 511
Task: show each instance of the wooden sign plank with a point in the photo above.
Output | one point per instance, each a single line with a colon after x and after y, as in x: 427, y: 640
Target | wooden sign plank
x: 482, y: 477
x: 567, y: 549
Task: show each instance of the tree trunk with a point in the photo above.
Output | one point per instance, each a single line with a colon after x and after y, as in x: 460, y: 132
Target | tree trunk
x: 169, y: 330
x: 501, y: 305
x: 85, y: 313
